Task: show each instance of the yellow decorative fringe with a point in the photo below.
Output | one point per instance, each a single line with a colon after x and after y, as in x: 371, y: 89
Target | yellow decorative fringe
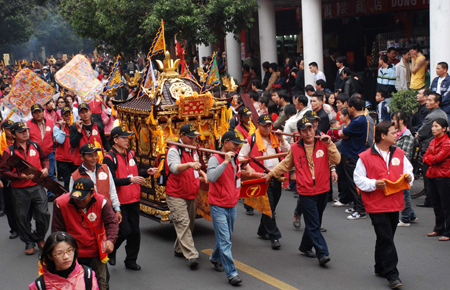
x: 252, y: 128
x: 215, y: 129
x: 100, y: 153
x: 202, y: 137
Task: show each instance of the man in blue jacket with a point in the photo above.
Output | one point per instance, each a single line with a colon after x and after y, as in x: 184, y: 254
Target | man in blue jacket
x: 441, y: 85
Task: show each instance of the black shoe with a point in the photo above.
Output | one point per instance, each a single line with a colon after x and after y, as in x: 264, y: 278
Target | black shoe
x: 218, y: 266
x: 276, y: 244
x: 193, y: 262
x: 309, y: 254
x: 112, y: 258
x: 178, y: 255
x: 380, y: 275
x: 234, y: 280
x: 264, y: 237
x: 323, y: 230
x: 14, y: 235
x: 324, y: 260
x: 134, y: 267
x: 424, y: 205
x: 395, y: 283
x: 51, y: 198
x: 249, y: 212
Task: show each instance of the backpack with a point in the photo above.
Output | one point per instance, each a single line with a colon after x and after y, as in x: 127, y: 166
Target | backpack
x: 162, y: 180
x: 11, y: 147
x: 40, y: 283
x: 370, y: 131
x: 114, y: 157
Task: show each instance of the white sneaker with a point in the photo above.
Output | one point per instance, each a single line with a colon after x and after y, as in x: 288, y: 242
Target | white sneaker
x: 350, y: 210
x: 339, y: 204
x: 356, y: 216
x: 402, y: 224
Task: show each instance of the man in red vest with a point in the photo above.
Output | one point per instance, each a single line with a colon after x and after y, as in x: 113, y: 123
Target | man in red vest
x: 99, y: 174
x: 224, y: 189
x: 183, y: 172
x: 311, y: 157
x: 244, y: 122
x: 27, y: 195
x: 41, y: 132
x: 88, y: 216
x: 127, y: 179
x: 96, y: 109
x: 383, y: 161
x: 261, y: 143
x: 86, y: 131
x: 63, y: 152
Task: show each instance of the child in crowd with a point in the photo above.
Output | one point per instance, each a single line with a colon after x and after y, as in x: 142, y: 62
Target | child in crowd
x: 383, y: 111
x: 333, y: 132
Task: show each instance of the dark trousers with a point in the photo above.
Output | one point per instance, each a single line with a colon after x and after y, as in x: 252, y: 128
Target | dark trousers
x: 65, y: 170
x: 129, y: 230
x: 349, y: 167
x: 51, y: 170
x: 439, y: 196
x: 9, y: 207
x: 100, y: 269
x: 312, y: 208
x: 31, y: 198
x: 386, y: 258
x: 426, y: 183
x: 268, y: 225
x: 345, y: 196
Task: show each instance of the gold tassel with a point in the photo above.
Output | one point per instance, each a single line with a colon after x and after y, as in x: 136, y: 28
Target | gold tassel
x: 215, y: 130
x: 252, y: 128
x: 151, y: 119
x: 3, y: 143
x: 100, y: 153
x: 202, y: 137
x: 212, y: 142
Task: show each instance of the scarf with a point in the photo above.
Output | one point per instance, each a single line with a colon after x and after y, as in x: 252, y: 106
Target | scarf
x: 260, y: 141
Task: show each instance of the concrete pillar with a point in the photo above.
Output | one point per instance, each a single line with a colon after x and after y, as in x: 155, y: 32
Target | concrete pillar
x: 439, y: 34
x: 267, y: 32
x: 234, y: 63
x: 204, y: 50
x: 312, y: 36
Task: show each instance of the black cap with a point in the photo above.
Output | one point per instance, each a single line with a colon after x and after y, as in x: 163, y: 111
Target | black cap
x: 66, y: 109
x: 265, y: 119
x: 89, y: 148
x: 7, y: 124
x: 18, y: 127
x: 303, y: 123
x: 233, y: 137
x: 188, y: 130
x: 36, y: 107
x: 83, y: 106
x: 81, y: 188
x: 120, y: 132
x: 311, y: 115
x: 244, y: 111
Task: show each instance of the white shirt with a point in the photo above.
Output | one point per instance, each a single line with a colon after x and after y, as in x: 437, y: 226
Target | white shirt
x: 367, y: 184
x: 438, y: 89
x: 270, y: 163
x: 291, y: 124
x: 319, y: 76
x: 112, y: 187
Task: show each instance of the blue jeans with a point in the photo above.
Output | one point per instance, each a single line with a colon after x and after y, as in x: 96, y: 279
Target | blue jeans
x: 223, y: 222
x: 312, y: 209
x: 408, y: 213
x: 51, y: 171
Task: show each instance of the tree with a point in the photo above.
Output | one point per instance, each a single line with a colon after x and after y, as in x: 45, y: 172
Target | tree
x: 129, y: 27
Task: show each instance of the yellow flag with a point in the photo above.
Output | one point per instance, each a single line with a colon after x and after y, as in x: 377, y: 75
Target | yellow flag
x: 100, y: 153
x: 159, y: 43
x: 3, y: 143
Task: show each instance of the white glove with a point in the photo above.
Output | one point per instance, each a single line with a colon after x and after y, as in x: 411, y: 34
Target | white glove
x: 109, y: 111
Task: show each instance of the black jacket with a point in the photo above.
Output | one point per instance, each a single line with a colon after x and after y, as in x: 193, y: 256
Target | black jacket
x: 419, y: 117
x: 324, y: 122
x: 351, y: 86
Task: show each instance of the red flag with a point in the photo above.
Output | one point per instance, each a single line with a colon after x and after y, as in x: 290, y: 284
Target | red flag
x: 253, y: 188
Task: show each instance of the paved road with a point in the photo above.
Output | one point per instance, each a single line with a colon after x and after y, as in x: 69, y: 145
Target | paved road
x: 423, y: 261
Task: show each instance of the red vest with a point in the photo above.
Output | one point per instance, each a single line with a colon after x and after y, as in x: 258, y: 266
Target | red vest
x: 95, y: 106
x: 256, y: 153
x: 102, y: 183
x: 79, y: 228
x: 31, y: 157
x: 184, y: 184
x: 223, y: 192
x: 129, y: 193
x: 376, y: 201
x: 242, y: 130
x: 36, y: 136
x: 306, y: 185
x: 95, y: 136
x: 53, y: 115
x: 62, y: 151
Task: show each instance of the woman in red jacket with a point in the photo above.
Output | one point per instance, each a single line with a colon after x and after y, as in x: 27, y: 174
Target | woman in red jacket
x: 437, y: 156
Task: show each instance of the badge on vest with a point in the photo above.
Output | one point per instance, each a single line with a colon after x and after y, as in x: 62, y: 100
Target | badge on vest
x: 32, y: 152
x: 319, y: 153
x: 132, y: 163
x: 48, y: 129
x: 92, y: 216
x: 395, y: 161
x: 102, y: 176
x: 94, y: 132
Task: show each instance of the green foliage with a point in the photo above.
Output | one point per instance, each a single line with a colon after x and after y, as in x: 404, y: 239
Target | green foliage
x: 406, y: 101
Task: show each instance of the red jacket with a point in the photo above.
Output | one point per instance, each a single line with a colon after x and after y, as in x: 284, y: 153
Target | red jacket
x: 95, y: 136
x: 376, y: 201
x: 62, y: 151
x: 437, y: 156
x: 36, y: 136
x: 306, y: 185
x: 223, y: 192
x: 96, y: 106
x: 52, y: 115
x: 242, y: 130
x: 184, y: 184
x: 102, y: 183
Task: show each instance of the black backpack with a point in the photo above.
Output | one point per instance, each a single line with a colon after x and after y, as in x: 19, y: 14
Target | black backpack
x: 40, y: 283
x: 12, y: 149
x: 162, y: 180
x: 114, y: 157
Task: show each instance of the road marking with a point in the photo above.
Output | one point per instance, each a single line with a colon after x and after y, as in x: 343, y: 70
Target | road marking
x: 258, y: 274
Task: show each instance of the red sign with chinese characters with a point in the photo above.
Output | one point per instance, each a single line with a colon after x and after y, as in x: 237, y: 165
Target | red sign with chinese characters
x: 253, y: 188
x: 194, y: 107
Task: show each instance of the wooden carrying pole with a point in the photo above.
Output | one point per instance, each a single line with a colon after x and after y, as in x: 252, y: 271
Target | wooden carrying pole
x: 286, y: 134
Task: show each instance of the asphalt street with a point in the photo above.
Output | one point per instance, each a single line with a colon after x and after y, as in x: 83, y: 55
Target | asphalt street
x: 423, y: 261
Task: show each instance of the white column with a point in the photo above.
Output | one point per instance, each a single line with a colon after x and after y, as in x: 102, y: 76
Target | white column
x: 204, y: 50
x: 234, y: 63
x: 439, y: 34
x: 312, y: 36
x: 267, y: 31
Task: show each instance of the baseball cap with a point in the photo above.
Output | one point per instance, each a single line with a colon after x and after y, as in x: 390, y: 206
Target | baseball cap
x: 36, y: 107
x: 83, y: 106
x: 120, y: 132
x: 233, y: 137
x: 303, y: 123
x: 81, y: 188
x: 311, y: 115
x: 7, y: 124
x: 244, y: 111
x: 88, y: 148
x: 188, y: 130
x: 264, y: 119
x: 18, y: 127
x: 66, y: 109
